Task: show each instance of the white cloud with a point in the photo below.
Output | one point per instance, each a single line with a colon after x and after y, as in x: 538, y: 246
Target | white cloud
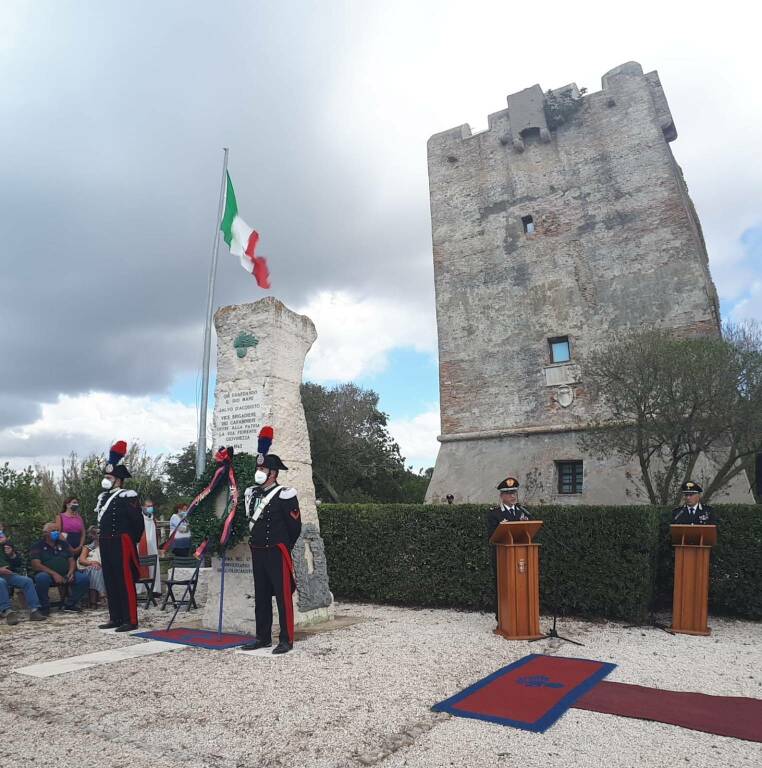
x: 355, y: 335
x: 417, y: 438
x: 92, y: 421
x: 749, y: 308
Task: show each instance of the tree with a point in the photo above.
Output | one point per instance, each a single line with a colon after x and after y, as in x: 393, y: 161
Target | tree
x: 671, y: 401
x: 354, y: 458
x: 21, y: 509
x: 180, y: 473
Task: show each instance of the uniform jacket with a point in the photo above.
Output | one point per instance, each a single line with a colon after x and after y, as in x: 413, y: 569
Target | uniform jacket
x: 497, y: 514
x: 703, y: 516
x: 280, y: 521
x: 123, y: 515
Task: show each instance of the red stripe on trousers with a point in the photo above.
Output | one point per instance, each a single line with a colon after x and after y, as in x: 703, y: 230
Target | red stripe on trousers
x: 289, y: 584
x: 130, y: 558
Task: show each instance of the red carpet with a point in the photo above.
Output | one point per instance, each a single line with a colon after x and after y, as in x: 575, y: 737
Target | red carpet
x: 201, y: 638
x: 531, y: 694
x: 733, y: 716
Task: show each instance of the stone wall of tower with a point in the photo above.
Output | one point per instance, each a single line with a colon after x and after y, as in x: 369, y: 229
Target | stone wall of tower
x: 616, y: 244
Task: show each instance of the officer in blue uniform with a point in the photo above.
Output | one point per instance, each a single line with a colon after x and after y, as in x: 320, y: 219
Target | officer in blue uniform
x: 509, y: 510
x: 274, y: 524
x: 693, y: 512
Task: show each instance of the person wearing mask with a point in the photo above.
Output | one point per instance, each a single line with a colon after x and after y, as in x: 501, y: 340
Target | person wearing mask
x: 90, y: 563
x: 54, y: 564
x: 149, y: 545
x: 120, y: 522
x: 275, y: 523
x: 10, y: 578
x: 70, y: 523
x: 181, y: 544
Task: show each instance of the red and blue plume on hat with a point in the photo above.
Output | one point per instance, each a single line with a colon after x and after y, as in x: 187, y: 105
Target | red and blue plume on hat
x: 265, y: 440
x: 117, y: 453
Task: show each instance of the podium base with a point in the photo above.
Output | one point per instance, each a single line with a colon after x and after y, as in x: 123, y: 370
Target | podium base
x: 701, y: 632
x: 504, y: 634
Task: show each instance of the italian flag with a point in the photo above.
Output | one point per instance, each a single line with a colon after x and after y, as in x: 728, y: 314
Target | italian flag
x: 242, y: 239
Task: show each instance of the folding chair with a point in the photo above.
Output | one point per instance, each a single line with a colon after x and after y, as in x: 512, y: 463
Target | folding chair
x: 189, y: 582
x: 151, y: 562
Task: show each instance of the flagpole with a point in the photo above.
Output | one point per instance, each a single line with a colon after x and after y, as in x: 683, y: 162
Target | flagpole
x: 201, y: 442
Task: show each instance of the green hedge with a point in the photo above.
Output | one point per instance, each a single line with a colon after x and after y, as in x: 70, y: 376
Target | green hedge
x: 735, y: 572
x: 595, y: 561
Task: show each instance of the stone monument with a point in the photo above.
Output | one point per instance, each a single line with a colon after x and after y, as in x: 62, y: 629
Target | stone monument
x: 260, y: 358
x: 566, y: 221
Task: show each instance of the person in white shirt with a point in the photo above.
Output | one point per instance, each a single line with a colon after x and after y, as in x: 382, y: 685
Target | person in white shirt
x: 181, y: 544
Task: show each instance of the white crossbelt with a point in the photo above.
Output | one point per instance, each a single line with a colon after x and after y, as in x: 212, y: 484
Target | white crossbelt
x: 259, y: 506
x: 102, y: 510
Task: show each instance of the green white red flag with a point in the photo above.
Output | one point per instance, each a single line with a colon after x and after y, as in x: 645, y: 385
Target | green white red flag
x: 242, y: 239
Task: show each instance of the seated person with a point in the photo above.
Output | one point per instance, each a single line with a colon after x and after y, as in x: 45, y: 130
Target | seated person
x: 53, y: 564
x: 10, y: 565
x: 693, y: 512
x: 90, y: 563
x: 181, y: 544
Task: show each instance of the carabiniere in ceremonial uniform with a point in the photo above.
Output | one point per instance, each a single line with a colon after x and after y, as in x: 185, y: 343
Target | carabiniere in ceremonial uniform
x: 120, y: 521
x: 274, y: 524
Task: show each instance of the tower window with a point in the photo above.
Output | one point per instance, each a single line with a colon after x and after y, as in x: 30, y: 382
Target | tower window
x: 560, y: 351
x: 528, y: 223
x: 569, y: 476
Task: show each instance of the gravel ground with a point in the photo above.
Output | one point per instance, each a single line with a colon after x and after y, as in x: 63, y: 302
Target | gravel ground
x: 356, y: 696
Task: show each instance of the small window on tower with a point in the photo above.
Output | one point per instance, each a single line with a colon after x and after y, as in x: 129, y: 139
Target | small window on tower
x: 528, y: 223
x: 559, y: 349
x: 569, y: 476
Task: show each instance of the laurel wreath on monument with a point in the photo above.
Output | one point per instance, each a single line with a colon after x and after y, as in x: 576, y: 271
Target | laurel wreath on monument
x: 204, y: 523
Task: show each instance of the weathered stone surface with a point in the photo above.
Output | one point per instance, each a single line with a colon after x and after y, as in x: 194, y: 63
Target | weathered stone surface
x: 310, y: 565
x: 260, y: 359
x: 616, y: 244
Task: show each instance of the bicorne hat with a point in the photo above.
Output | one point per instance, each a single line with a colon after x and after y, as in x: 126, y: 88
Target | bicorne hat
x: 271, y: 461
x: 114, y: 465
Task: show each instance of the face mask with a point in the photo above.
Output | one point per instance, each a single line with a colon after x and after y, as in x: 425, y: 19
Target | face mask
x: 148, y: 511
x: 107, y: 484
x: 55, y: 535
x: 260, y: 477
x: 75, y: 507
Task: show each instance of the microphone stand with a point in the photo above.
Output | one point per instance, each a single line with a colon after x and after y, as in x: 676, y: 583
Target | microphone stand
x: 652, y: 622
x: 553, y: 632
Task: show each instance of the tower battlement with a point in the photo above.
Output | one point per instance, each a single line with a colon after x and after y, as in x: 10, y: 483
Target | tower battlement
x: 526, y: 111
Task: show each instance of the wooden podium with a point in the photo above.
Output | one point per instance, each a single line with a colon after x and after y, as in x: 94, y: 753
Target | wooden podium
x: 691, y: 597
x: 518, y: 580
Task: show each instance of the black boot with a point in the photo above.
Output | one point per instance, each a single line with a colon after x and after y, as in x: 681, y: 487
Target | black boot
x: 109, y: 625
x: 126, y: 627
x: 256, y: 645
x: 283, y: 647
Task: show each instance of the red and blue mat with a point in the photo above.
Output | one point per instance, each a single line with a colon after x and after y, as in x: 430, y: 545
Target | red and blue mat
x: 199, y: 638
x: 531, y: 694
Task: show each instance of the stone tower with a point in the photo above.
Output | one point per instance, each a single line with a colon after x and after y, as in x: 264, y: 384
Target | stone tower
x: 566, y: 220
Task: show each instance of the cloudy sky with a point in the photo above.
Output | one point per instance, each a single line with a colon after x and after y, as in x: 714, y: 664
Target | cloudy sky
x: 113, y: 119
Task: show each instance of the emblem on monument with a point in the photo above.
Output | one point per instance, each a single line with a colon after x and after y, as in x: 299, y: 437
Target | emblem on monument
x: 242, y: 343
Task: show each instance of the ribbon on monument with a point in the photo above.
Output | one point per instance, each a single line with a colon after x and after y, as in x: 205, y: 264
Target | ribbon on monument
x: 224, y: 457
